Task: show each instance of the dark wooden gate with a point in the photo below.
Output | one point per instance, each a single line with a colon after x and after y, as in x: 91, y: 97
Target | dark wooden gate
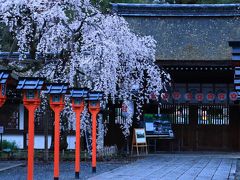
x: 204, y: 127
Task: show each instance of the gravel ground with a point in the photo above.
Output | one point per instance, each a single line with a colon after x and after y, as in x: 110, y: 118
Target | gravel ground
x: 45, y: 171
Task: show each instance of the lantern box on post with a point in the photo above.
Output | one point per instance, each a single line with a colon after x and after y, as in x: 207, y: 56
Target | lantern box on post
x: 78, y: 96
x: 4, y: 78
x: 94, y: 99
x: 94, y: 108
x: 31, y: 88
x: 57, y: 92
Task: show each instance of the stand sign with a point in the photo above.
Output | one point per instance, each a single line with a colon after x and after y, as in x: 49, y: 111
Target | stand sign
x: 139, y: 139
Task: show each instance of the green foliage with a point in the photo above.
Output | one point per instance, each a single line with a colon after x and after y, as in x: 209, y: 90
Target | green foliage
x: 9, y: 145
x: 6, y: 39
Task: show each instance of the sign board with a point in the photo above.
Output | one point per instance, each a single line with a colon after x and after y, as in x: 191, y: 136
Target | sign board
x: 139, y: 139
x: 149, y: 126
x: 140, y: 136
x: 1, y: 129
x: 159, y: 124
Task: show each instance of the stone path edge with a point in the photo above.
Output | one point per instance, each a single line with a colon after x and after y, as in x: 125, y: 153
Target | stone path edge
x: 12, y: 166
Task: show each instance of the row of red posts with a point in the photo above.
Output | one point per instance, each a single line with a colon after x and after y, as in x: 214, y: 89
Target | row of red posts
x: 31, y: 88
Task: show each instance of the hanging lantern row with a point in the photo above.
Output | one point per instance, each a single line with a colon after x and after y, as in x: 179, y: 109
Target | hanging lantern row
x: 233, y: 96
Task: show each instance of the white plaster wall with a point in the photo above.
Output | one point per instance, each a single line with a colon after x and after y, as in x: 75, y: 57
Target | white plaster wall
x: 38, y: 141
x: 71, y: 142
x: 21, y: 117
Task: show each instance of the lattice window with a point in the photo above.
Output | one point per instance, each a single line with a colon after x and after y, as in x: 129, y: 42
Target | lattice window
x: 119, y: 119
x: 177, y: 113
x: 213, y: 115
x: 13, y: 122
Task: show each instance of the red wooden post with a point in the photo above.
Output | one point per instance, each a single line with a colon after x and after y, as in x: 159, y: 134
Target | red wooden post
x: 56, y: 91
x: 2, y: 96
x: 77, y: 96
x: 78, y: 109
x: 31, y: 105
x: 77, y: 148
x: 57, y: 107
x: 31, y: 87
x: 94, y: 110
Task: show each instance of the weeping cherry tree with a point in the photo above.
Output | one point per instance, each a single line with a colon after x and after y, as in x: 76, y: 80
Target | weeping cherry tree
x: 77, y: 44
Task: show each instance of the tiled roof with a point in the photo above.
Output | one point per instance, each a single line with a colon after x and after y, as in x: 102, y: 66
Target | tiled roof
x: 31, y: 83
x: 95, y: 95
x: 4, y: 75
x: 79, y: 93
x: 57, y: 88
x: 183, y: 10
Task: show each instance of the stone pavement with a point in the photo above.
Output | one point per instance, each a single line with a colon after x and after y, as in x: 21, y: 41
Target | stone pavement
x: 177, y: 166
x: 44, y: 171
x: 5, y: 165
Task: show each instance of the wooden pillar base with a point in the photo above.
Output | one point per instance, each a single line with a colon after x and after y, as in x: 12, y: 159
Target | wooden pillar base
x: 94, y: 169
x: 76, y: 175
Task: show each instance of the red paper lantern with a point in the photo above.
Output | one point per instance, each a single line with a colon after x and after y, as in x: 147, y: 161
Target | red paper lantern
x: 153, y: 96
x: 233, y: 96
x: 176, y: 95
x: 222, y: 96
x: 124, y: 107
x: 188, y: 96
x: 199, y: 96
x: 165, y: 96
x: 210, y: 96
